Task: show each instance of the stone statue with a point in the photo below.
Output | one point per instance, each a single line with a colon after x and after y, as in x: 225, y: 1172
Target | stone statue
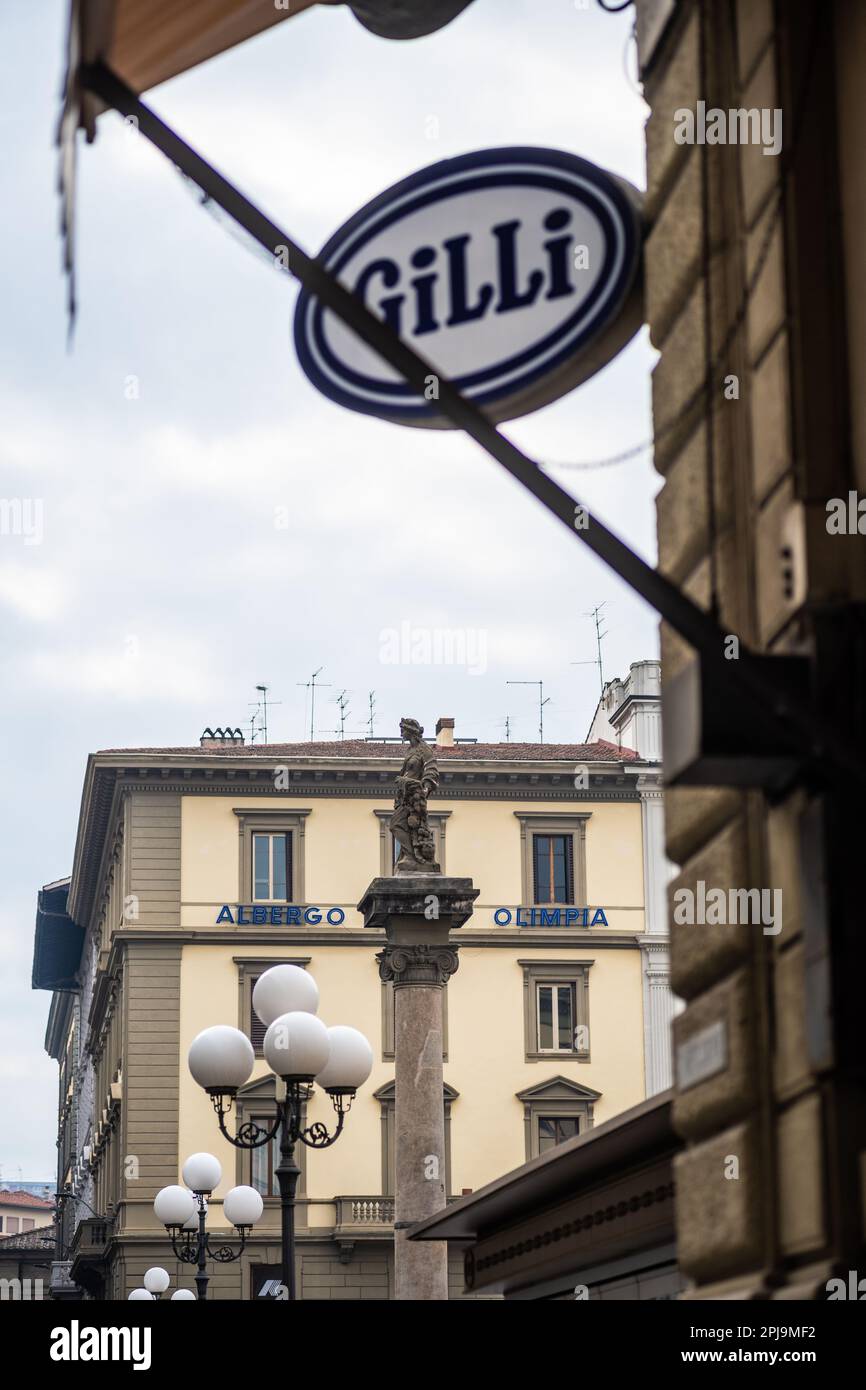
x: 409, y: 826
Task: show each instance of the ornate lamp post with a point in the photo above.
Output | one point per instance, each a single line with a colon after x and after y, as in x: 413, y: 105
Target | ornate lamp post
x: 301, y: 1051
x: 183, y: 1212
x: 156, y: 1282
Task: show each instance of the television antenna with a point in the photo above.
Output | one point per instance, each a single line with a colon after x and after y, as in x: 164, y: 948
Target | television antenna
x: 312, y: 687
x: 260, y: 714
x: 595, y: 614
x: 541, y: 703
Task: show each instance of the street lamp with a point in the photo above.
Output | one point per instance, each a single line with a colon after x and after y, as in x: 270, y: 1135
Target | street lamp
x: 300, y: 1050
x: 156, y: 1282
x: 183, y: 1212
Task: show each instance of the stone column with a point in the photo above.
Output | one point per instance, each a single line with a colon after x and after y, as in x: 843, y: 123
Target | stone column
x: 417, y: 913
x: 659, y: 1005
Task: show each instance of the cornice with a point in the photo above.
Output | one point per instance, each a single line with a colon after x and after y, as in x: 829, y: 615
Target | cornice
x: 494, y: 788
x: 513, y: 937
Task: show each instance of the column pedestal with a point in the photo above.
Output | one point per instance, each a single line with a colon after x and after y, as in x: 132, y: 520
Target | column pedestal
x: 417, y: 913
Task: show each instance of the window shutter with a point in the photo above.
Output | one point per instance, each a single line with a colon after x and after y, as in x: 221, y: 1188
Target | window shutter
x: 290, y: 895
x: 569, y: 868
x: 535, y: 884
x: 257, y: 1028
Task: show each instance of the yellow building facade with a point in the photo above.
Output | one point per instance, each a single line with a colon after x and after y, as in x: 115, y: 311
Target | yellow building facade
x: 196, y: 869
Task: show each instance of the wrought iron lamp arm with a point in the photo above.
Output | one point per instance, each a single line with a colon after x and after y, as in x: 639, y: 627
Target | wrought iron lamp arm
x: 249, y: 1135
x: 188, y: 1252
x: 316, y: 1136
x: 224, y: 1254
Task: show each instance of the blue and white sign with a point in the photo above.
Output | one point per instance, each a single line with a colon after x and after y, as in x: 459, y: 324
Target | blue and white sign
x: 515, y: 272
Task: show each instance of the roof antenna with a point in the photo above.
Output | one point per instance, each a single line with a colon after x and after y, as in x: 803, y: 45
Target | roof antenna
x: 260, y: 712
x: 312, y: 687
x: 541, y: 703
x: 372, y: 699
x: 595, y: 614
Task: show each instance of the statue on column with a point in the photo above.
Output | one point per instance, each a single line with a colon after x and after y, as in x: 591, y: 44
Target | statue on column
x: 418, y: 776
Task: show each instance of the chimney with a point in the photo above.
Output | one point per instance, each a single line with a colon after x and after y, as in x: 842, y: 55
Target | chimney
x: 445, y: 732
x: 221, y: 738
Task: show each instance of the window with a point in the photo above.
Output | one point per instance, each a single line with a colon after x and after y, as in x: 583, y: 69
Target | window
x: 553, y: 858
x: 389, y: 849
x: 272, y: 868
x: 556, y: 1009
x: 264, y: 1161
x: 556, y: 1017
x: 553, y: 868
x: 555, y: 1129
x: 554, y: 1112
x: 249, y: 971
x: 27, y: 1224
x: 12, y: 1225
x: 256, y: 1102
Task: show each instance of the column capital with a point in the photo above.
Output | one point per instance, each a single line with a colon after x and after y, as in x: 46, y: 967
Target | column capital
x: 419, y: 964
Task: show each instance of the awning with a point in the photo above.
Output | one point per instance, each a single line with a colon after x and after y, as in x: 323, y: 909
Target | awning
x: 147, y: 43
x: 58, y: 940
x: 634, y: 1136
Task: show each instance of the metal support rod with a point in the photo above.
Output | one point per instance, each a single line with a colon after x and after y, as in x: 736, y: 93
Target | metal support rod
x: 201, y: 1277
x: 744, y: 679
x: 287, y: 1175
x: 288, y: 1125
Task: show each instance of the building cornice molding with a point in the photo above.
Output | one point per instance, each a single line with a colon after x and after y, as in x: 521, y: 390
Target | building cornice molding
x: 514, y: 937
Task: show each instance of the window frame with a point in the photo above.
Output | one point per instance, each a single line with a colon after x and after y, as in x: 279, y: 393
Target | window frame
x: 272, y: 822
x: 573, y: 972
x: 558, y: 1098
x: 550, y: 823
x: 437, y: 821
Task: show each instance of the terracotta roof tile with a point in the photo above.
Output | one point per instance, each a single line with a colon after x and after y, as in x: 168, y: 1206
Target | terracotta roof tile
x: 24, y: 1199
x: 598, y: 752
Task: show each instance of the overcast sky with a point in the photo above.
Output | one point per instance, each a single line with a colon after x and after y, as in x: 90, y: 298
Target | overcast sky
x: 167, y: 584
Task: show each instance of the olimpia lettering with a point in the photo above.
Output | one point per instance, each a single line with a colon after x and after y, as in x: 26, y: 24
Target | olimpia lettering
x: 550, y: 917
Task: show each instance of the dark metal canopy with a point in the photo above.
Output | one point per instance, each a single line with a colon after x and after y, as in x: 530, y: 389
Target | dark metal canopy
x: 58, y: 940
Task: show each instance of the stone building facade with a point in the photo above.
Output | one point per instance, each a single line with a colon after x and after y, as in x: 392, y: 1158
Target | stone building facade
x: 755, y: 299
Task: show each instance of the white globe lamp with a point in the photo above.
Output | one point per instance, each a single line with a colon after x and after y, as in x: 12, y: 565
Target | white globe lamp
x: 349, y: 1063
x: 221, y: 1059
x: 174, y: 1205
x: 243, y: 1206
x: 285, y: 989
x: 202, y: 1172
x: 297, y: 1046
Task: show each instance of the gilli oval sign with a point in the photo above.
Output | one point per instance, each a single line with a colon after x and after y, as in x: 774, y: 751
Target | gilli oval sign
x: 514, y: 272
